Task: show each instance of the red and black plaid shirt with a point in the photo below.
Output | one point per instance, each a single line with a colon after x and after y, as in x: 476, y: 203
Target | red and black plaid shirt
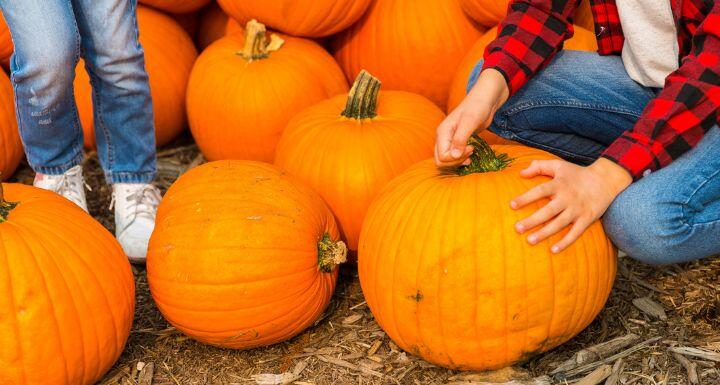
x: 675, y: 121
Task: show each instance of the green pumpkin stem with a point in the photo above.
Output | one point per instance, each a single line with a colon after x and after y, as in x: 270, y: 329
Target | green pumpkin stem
x: 330, y: 253
x: 257, y: 45
x: 484, y: 158
x: 5, y: 206
x: 362, y: 99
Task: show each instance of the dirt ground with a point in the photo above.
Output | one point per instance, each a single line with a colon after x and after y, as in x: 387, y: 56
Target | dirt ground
x: 681, y: 309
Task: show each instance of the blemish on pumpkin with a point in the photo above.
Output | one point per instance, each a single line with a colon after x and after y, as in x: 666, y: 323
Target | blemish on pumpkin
x: 417, y: 297
x: 255, y: 218
x: 251, y: 334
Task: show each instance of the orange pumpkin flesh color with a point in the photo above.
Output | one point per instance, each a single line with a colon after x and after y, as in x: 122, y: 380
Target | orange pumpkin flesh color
x: 412, y: 45
x: 214, y: 24
x: 6, y: 43
x: 491, y: 12
x: 242, y: 255
x: 447, y: 277
x: 169, y: 57
x: 244, y: 90
x: 11, y: 148
x: 308, y: 18
x: 176, y: 6
x: 348, y: 147
x: 66, y: 306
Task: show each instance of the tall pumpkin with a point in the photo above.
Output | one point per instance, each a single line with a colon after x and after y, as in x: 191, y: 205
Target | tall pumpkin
x: 214, y: 24
x: 447, y: 277
x: 242, y: 255
x: 412, y: 45
x: 11, y: 148
x: 67, y: 306
x: 582, y: 40
x: 348, y: 147
x: 169, y: 57
x: 491, y: 12
x: 176, y: 6
x: 308, y: 18
x: 244, y: 89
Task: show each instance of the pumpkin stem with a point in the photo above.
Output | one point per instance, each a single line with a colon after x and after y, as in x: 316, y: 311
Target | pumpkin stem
x: 330, y: 253
x: 256, y: 44
x: 362, y: 99
x: 484, y: 158
x: 5, y: 206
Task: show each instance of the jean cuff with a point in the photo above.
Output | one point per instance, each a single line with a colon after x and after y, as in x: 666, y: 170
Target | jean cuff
x: 61, y: 169
x: 130, y: 177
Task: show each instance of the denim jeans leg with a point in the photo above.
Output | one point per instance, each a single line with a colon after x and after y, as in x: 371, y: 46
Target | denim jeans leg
x: 47, y: 47
x: 121, y: 94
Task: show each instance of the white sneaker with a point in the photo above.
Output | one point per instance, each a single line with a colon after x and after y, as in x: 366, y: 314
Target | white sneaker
x: 135, y: 210
x: 70, y: 185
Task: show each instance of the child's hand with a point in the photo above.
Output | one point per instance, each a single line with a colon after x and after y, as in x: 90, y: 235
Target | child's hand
x: 578, y: 196
x: 475, y: 112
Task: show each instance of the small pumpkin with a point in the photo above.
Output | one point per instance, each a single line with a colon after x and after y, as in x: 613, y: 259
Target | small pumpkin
x: 491, y: 12
x: 348, y: 147
x: 214, y: 24
x: 176, y: 6
x: 244, y: 89
x: 242, y: 255
x: 67, y: 306
x: 582, y: 40
x: 169, y: 57
x: 11, y: 148
x: 412, y: 45
x: 308, y: 18
x: 447, y: 277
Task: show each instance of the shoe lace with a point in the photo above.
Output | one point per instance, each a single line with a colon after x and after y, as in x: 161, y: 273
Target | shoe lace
x: 67, y: 186
x: 142, y: 204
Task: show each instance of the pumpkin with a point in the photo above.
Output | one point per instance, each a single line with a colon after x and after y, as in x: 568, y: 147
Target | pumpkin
x: 190, y: 22
x: 582, y: 40
x: 412, y: 45
x: 348, y: 147
x: 447, y: 277
x: 6, y: 43
x: 242, y: 255
x: 11, y: 148
x: 169, y: 57
x: 491, y: 12
x: 176, y: 6
x: 308, y: 18
x: 214, y: 24
x: 244, y: 89
x: 67, y: 306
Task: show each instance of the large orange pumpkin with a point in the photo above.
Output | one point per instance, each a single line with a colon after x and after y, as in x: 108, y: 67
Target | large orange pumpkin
x: 169, y: 57
x: 309, y: 18
x: 176, y: 6
x: 11, y: 149
x: 66, y: 307
x: 412, y: 45
x: 214, y: 24
x: 242, y: 255
x: 244, y: 89
x: 583, y: 40
x: 6, y: 43
x: 350, y: 146
x: 491, y: 12
x: 448, y: 278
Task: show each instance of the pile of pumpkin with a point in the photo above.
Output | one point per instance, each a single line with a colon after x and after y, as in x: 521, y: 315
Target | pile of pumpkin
x: 245, y: 253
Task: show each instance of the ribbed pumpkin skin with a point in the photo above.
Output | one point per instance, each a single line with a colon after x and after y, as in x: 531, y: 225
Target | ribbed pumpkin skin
x: 11, y: 148
x: 238, y: 109
x: 6, y: 43
x: 66, y: 307
x: 176, y: 6
x: 214, y: 24
x: 491, y: 12
x: 308, y: 18
x: 582, y: 40
x: 411, y: 45
x: 233, y: 261
x: 169, y: 57
x: 348, y: 161
x: 448, y: 278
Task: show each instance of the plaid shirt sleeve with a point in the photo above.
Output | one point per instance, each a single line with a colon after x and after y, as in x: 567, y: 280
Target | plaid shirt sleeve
x: 678, y: 118
x: 529, y: 37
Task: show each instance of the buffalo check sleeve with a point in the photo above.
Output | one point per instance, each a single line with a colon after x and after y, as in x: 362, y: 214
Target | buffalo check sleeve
x: 687, y: 107
x: 528, y: 38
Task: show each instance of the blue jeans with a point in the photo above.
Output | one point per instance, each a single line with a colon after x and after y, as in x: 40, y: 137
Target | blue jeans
x: 50, y: 36
x: 579, y: 105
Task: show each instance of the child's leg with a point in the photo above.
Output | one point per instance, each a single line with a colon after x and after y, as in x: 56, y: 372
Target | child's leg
x: 575, y: 107
x: 672, y: 215
x: 47, y: 47
x: 121, y: 94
